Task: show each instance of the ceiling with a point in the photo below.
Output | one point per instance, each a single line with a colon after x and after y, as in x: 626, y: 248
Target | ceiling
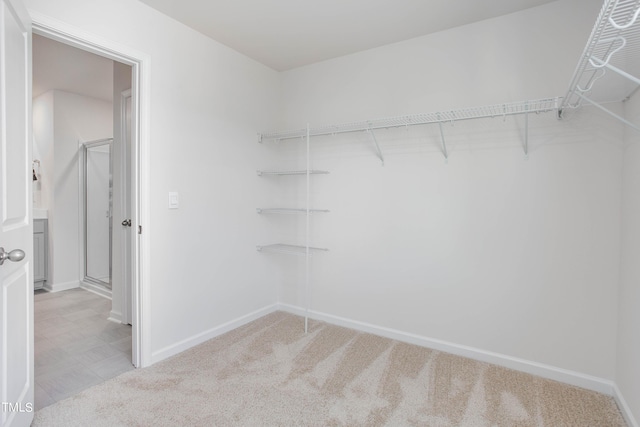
x: 62, y: 67
x: 305, y: 33
x: 286, y: 34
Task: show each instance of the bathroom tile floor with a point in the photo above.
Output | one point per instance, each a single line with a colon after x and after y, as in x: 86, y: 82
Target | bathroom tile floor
x: 76, y: 347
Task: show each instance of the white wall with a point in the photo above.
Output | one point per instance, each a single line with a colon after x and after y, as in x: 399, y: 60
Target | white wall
x: 492, y: 251
x: 43, y: 132
x: 628, y: 369
x: 70, y: 118
x: 207, y: 104
x: 76, y: 118
x: 525, y: 55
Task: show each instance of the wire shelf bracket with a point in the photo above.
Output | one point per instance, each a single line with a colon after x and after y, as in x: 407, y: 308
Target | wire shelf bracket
x: 611, y: 113
x: 526, y: 132
x: 444, y: 143
x: 614, y: 40
x: 623, y: 73
x: 375, y: 142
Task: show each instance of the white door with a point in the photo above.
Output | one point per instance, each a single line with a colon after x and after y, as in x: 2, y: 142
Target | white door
x: 122, y: 227
x: 16, y: 230
x: 126, y: 200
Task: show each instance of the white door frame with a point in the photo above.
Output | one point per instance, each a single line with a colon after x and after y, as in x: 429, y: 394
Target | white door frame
x: 140, y: 63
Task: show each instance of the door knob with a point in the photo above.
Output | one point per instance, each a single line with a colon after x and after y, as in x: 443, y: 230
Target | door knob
x: 15, y: 255
x: 126, y: 223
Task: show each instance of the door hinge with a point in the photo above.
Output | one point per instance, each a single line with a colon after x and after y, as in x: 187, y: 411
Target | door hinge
x: 139, y: 229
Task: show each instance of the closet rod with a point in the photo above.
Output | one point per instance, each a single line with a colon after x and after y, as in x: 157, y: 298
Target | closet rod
x: 489, y: 111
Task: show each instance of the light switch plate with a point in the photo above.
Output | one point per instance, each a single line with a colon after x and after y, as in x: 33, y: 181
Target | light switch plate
x: 174, y: 201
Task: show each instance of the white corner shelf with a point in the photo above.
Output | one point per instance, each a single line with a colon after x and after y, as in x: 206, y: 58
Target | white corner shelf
x: 290, y: 249
x: 305, y: 251
x: 292, y: 172
x: 290, y: 211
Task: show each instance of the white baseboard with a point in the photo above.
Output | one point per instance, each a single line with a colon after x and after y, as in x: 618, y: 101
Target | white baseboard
x: 624, y: 407
x: 96, y: 289
x: 185, y: 344
x: 58, y: 287
x: 546, y: 371
x: 115, y: 316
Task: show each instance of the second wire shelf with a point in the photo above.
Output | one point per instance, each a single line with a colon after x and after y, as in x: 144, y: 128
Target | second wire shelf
x: 289, y: 211
x: 291, y: 172
x: 290, y: 249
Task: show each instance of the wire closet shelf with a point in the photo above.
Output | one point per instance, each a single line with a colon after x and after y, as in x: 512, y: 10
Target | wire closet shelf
x: 290, y: 211
x: 613, y: 50
x: 284, y: 248
x: 291, y: 172
x: 498, y: 110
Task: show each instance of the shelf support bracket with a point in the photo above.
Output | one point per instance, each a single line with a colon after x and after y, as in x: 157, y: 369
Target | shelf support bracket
x: 375, y: 142
x: 611, y: 113
x: 617, y: 70
x: 444, y: 143
x: 526, y: 130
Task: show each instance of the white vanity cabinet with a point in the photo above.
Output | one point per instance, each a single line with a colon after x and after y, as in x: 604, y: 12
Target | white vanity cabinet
x: 40, y: 253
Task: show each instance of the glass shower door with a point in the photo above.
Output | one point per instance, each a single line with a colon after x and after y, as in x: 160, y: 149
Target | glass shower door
x: 98, y: 195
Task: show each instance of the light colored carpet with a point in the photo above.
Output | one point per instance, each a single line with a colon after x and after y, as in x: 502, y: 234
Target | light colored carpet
x: 269, y: 373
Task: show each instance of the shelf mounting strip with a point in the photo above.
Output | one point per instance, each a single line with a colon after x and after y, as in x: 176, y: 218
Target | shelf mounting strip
x: 490, y: 111
x: 615, y: 34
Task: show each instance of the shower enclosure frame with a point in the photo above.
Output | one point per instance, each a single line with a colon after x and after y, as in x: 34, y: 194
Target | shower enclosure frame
x: 95, y: 284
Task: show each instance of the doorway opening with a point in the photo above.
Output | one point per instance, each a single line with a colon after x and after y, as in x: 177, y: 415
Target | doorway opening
x: 131, y: 205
